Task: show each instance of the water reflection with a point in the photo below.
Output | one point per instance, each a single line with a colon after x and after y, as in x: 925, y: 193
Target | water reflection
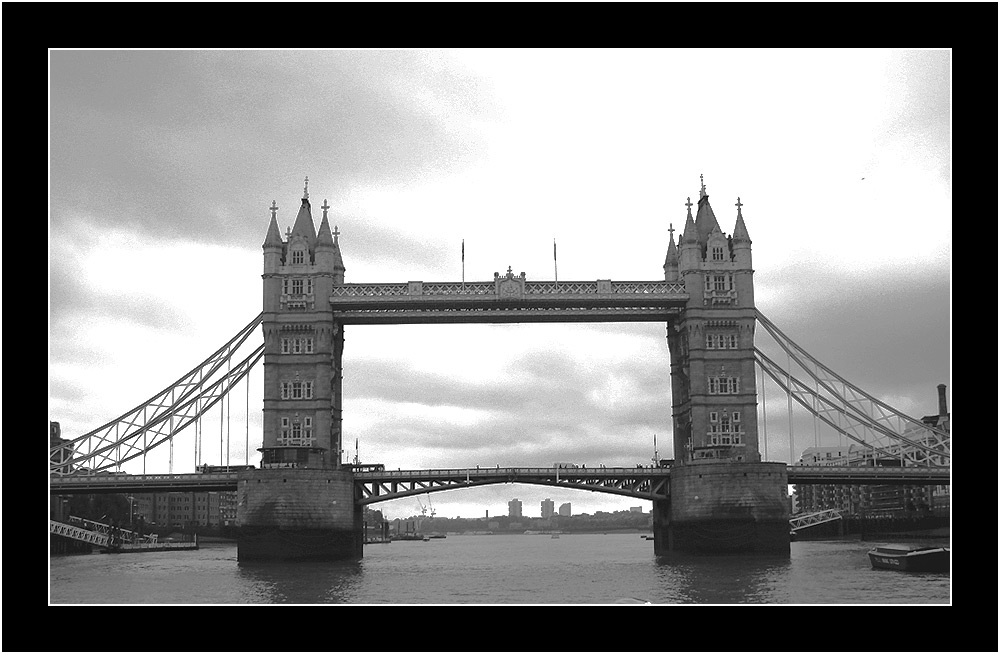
x: 731, y: 579
x: 300, y: 583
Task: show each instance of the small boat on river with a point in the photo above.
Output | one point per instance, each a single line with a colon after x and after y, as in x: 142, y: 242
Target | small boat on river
x: 911, y: 559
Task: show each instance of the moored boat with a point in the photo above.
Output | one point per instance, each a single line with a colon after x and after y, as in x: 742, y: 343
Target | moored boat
x: 911, y: 559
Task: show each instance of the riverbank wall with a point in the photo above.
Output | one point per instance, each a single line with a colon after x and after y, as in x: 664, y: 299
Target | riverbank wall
x: 878, y: 528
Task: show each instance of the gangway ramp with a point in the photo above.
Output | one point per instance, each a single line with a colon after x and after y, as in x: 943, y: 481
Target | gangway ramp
x: 810, y: 519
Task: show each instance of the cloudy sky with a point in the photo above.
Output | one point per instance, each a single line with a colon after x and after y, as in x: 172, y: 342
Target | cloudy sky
x: 163, y: 165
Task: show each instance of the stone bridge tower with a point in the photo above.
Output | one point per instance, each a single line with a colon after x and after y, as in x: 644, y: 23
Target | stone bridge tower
x: 300, y: 504
x: 723, y: 498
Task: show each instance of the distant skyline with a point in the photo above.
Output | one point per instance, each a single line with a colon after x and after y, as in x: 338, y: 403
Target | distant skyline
x: 163, y: 165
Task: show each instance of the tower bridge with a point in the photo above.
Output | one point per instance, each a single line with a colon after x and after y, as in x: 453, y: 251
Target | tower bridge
x: 304, y: 503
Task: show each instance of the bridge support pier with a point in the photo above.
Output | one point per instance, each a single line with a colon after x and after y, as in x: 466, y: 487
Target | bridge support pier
x: 724, y: 508
x: 298, y: 514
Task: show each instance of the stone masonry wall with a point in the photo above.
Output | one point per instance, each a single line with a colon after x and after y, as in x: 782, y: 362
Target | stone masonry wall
x: 296, y: 498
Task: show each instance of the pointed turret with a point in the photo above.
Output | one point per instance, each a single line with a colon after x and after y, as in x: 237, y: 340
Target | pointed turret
x: 302, y: 236
x: 273, y: 238
x: 670, y: 273
x: 690, y: 255
x: 741, y: 239
x: 740, y: 231
x: 328, y: 255
x: 705, y: 222
x: 273, y: 245
x: 324, y: 238
x: 303, y: 222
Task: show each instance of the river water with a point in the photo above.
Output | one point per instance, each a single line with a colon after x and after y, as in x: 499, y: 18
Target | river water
x: 611, y: 568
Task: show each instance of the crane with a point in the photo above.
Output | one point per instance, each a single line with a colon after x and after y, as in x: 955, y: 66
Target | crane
x: 423, y: 509
x: 433, y: 510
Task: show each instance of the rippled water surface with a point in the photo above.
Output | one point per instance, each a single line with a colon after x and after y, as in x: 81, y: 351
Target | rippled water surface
x: 498, y: 569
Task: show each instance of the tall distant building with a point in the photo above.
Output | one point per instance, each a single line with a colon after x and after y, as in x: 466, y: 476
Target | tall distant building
x: 548, y: 508
x: 514, y: 508
x: 565, y: 510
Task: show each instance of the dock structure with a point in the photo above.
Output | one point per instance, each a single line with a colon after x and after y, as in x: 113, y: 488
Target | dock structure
x: 114, y: 540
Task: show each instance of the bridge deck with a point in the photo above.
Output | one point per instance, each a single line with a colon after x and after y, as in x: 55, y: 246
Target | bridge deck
x: 646, y: 483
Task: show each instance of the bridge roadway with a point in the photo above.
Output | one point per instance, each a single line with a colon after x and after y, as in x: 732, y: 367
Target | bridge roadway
x: 382, y: 485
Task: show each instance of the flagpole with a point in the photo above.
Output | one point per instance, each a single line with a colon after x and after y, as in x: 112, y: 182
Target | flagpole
x: 555, y: 263
x: 463, y: 264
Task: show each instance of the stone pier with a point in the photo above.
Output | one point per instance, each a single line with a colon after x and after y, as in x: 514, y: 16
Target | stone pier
x: 298, y: 514
x: 724, y: 508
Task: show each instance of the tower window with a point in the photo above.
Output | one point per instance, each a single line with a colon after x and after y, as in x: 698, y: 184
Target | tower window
x: 723, y: 385
x: 296, y: 287
x: 297, y: 345
x: 298, y: 256
x: 721, y: 341
x: 716, y: 253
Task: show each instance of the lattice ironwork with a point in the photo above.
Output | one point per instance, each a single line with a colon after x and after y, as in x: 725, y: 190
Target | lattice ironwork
x: 159, y: 418
x: 810, y: 519
x: 467, y: 289
x: 645, y: 483
x: 370, y: 290
x: 853, y: 412
x: 453, y: 288
x: 561, y: 288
